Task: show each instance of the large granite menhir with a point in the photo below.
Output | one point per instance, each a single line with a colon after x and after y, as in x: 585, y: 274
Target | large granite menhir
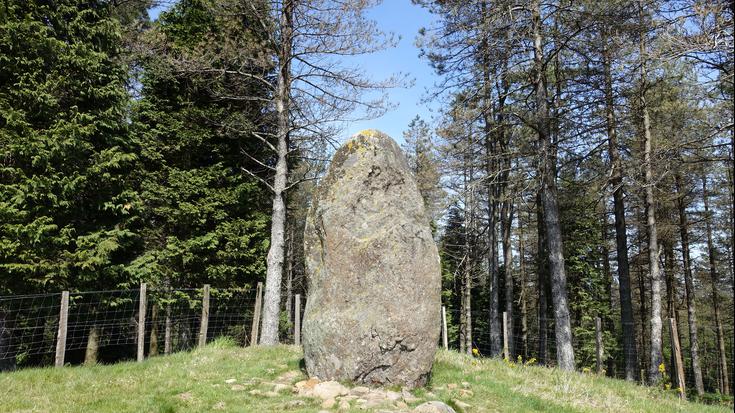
x: 373, y: 307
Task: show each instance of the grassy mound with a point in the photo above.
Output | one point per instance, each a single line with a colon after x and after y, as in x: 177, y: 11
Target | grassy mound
x: 202, y: 380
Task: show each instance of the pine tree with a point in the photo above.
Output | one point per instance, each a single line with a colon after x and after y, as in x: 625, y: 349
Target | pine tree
x: 202, y: 218
x: 65, y: 193
x: 423, y: 161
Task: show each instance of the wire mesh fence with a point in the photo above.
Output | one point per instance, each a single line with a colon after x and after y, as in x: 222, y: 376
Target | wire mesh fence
x: 536, y: 343
x: 103, y: 326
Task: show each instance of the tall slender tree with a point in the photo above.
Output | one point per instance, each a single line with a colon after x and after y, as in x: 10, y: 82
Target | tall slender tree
x: 621, y: 236
x: 714, y: 278
x: 549, y: 201
x: 65, y: 192
x: 311, y: 92
x: 689, y: 292
x: 655, y: 356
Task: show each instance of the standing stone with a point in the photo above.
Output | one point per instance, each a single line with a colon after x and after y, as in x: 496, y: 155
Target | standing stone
x: 373, y: 307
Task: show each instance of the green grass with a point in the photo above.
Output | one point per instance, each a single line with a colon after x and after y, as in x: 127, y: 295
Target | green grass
x: 195, y: 382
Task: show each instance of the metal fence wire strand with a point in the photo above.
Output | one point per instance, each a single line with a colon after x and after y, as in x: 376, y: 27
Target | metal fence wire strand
x: 104, y: 324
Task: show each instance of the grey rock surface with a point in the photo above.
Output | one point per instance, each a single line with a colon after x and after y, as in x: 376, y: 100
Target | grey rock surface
x: 373, y: 307
x: 434, y: 407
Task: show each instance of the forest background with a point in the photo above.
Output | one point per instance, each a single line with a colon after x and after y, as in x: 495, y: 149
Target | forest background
x: 578, y: 163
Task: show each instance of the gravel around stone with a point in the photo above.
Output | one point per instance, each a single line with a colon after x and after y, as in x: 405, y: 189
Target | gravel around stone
x: 337, y: 397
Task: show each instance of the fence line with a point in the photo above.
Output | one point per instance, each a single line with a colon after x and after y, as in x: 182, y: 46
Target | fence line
x: 113, y: 325
x: 587, y: 353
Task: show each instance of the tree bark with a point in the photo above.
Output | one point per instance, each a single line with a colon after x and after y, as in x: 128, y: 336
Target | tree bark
x: 643, y: 311
x: 469, y: 235
x: 289, y: 285
x: 562, y: 324
x: 466, y: 301
x: 671, y: 312
x: 689, y: 288
x: 722, y: 356
x: 167, y: 327
x: 621, y: 237
x: 496, y: 338
x: 608, y: 276
x: 654, y: 376
x: 669, y: 273
x: 506, y: 224
x: 522, y: 300
x: 274, y: 262
x: 731, y: 191
x: 467, y: 306
x: 542, y: 270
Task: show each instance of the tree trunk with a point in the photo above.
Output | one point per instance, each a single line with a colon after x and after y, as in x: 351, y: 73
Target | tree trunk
x: 643, y: 312
x: 656, y: 357
x: 274, y: 262
x: 562, y: 325
x: 462, y: 318
x: 506, y: 225
x: 153, y: 344
x: 610, y: 323
x: 93, y: 345
x: 496, y: 338
x: 523, y: 302
x: 167, y: 331
x: 724, y: 378
x: 466, y: 304
x: 669, y: 273
x: 289, y: 285
x: 542, y: 270
x: 467, y: 307
x: 469, y: 231
x: 621, y: 237
x: 689, y: 289
x: 731, y: 190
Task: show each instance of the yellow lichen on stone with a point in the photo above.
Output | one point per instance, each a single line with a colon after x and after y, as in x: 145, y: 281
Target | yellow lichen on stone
x: 370, y: 132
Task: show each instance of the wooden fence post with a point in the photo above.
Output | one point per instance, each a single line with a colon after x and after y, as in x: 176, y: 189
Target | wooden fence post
x: 61, y: 336
x: 204, y: 324
x: 297, y: 320
x: 167, y: 331
x: 598, y: 343
x: 256, y: 315
x: 678, y: 365
x: 142, y: 305
x: 445, y: 339
x: 505, y: 336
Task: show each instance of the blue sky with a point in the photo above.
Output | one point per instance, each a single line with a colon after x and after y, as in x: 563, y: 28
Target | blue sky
x: 403, y: 19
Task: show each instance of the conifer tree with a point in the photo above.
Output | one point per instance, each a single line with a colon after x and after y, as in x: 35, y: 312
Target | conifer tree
x: 65, y: 195
x: 202, y: 219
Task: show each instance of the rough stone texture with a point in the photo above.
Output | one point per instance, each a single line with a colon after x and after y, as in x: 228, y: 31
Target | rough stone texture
x: 434, y: 407
x: 373, y: 307
x: 329, y: 390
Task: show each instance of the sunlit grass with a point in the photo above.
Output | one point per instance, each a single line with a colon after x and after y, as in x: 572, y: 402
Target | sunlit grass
x: 197, y: 381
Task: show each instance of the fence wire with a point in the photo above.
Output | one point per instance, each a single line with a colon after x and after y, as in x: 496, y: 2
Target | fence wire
x: 529, y: 346
x: 102, y: 326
